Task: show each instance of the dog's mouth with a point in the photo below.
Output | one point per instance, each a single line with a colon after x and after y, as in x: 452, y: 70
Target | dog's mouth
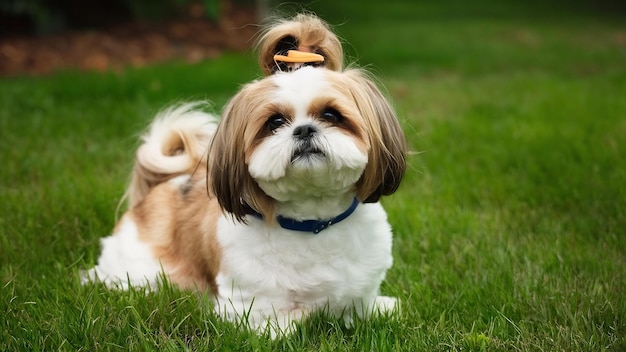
x: 307, y: 152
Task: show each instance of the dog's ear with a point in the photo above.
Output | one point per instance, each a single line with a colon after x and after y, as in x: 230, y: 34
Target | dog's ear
x: 227, y: 177
x: 387, y: 157
x: 304, y: 32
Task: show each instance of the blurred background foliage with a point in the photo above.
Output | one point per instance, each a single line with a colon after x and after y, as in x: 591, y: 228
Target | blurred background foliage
x: 37, y: 17
x: 28, y: 17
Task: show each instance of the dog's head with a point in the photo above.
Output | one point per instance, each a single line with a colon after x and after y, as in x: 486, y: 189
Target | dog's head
x: 309, y: 133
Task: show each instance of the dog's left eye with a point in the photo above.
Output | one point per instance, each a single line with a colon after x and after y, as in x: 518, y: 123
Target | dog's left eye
x: 331, y: 115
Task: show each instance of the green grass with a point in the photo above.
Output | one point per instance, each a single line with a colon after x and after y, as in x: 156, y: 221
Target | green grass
x: 509, y: 227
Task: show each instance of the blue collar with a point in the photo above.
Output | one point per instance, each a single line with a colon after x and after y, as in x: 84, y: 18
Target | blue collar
x: 314, y: 226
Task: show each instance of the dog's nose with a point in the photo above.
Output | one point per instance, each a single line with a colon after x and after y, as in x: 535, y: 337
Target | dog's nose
x: 304, y: 131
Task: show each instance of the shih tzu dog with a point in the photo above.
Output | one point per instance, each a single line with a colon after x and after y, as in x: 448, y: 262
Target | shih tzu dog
x: 274, y: 209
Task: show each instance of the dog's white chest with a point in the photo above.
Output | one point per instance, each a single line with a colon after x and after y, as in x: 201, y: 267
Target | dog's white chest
x: 269, y: 270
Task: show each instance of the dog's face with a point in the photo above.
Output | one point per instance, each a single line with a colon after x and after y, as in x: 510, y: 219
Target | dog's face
x: 309, y: 139
x: 309, y: 133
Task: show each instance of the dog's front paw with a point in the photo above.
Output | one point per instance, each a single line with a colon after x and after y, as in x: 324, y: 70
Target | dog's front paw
x: 282, y: 322
x: 95, y: 275
x: 384, y: 304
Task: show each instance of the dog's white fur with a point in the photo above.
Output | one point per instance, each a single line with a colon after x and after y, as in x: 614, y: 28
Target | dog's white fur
x: 258, y: 161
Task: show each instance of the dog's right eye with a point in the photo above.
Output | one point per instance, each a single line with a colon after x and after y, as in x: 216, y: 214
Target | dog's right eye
x: 275, y: 121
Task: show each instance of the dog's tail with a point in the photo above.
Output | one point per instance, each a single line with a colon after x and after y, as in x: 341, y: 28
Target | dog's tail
x: 175, y: 144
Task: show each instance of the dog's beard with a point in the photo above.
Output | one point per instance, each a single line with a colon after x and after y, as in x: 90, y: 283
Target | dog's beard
x: 306, y: 151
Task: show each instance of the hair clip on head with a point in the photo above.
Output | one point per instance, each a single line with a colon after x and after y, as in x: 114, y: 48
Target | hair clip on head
x: 296, y: 59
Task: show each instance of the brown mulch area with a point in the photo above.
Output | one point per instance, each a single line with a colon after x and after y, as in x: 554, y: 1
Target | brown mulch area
x: 193, y: 39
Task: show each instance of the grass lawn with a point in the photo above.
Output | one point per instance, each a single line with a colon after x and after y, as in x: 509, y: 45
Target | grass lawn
x: 510, y: 227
